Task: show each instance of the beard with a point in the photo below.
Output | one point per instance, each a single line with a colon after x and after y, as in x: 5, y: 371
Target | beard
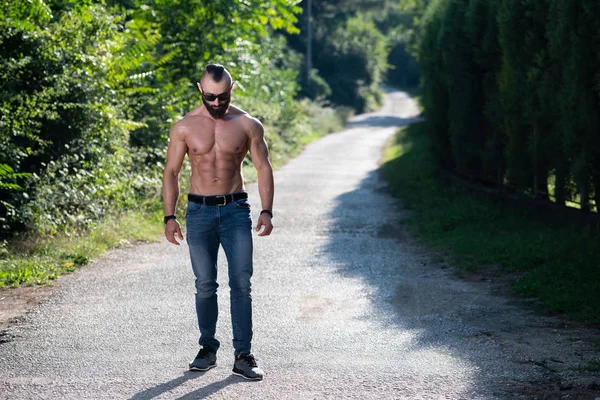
x: 217, y: 112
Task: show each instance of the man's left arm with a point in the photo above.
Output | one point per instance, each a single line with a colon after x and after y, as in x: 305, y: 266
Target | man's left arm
x: 260, y: 158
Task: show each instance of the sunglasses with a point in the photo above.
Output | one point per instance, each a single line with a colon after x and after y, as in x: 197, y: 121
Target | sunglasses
x: 222, y: 96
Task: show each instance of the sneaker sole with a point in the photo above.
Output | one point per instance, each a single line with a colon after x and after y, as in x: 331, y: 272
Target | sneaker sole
x: 246, y: 377
x: 202, y: 369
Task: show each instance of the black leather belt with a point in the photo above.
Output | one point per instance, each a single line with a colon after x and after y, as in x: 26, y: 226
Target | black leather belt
x: 217, y: 200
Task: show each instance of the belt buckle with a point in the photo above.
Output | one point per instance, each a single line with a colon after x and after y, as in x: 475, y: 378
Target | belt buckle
x: 224, y: 200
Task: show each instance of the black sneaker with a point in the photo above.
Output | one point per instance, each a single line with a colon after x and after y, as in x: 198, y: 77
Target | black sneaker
x: 245, y: 366
x: 205, y: 360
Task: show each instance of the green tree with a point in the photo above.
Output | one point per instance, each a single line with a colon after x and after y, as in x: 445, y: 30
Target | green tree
x: 514, y: 24
x: 332, y: 56
x: 573, y: 31
x: 356, y: 72
x: 57, y: 107
x: 87, y: 94
x: 416, y: 10
x: 171, y: 42
x: 397, y: 25
x: 434, y: 78
x: 465, y: 112
x: 482, y: 32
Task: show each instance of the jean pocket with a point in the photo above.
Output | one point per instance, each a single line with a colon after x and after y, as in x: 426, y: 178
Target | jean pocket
x: 193, y: 208
x: 244, y: 204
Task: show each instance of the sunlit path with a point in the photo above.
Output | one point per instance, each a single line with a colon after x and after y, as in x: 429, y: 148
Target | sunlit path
x: 343, y: 309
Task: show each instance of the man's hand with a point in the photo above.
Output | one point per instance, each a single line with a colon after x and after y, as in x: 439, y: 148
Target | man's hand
x: 264, y: 223
x: 171, y: 229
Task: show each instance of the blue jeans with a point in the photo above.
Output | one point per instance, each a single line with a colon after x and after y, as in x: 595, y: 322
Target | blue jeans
x: 231, y: 227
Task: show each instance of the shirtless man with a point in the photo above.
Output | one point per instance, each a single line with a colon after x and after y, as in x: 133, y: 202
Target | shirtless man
x: 216, y: 136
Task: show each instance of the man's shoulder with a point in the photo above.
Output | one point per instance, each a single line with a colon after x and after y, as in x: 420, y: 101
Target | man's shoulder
x: 245, y: 116
x: 179, y: 127
x: 186, y: 123
x: 250, y: 123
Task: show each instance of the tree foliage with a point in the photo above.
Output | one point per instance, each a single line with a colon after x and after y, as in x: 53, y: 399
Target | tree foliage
x: 360, y: 58
x: 349, y: 52
x: 511, y: 93
x: 435, y: 92
x: 88, y: 92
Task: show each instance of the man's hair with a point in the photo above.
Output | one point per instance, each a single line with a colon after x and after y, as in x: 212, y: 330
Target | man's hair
x: 216, y: 72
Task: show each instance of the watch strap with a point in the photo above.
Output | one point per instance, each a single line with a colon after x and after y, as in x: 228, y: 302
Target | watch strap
x: 168, y: 217
x: 267, y: 212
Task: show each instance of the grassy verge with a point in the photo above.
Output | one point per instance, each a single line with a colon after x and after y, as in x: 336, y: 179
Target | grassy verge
x: 34, y: 260
x: 559, y: 267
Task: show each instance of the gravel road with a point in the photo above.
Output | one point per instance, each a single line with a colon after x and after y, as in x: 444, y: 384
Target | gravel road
x: 346, y: 306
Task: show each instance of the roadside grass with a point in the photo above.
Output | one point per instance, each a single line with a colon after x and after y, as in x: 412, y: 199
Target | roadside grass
x: 35, y: 260
x: 558, y: 266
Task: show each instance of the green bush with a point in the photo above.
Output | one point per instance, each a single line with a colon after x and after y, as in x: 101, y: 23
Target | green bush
x: 511, y: 95
x: 349, y: 53
x: 88, y: 94
x: 435, y: 91
x: 361, y: 57
x: 60, y: 119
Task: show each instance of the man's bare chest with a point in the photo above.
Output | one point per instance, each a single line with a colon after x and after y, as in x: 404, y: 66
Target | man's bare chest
x: 216, y: 139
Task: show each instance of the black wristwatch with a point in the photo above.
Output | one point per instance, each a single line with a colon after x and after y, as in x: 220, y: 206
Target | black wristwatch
x: 267, y: 212
x: 168, y: 217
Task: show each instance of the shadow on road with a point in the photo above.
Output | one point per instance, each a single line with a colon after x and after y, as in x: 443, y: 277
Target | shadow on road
x: 213, y: 388
x: 500, y: 349
x: 379, y: 121
x: 366, y: 240
x: 200, y: 393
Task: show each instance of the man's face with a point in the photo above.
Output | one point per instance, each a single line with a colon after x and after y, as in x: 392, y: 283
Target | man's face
x: 216, y: 97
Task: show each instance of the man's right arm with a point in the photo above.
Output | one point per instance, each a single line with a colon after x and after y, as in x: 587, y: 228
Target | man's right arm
x: 175, y: 155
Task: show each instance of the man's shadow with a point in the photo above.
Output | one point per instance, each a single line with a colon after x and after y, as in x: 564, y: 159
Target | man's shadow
x: 196, y: 394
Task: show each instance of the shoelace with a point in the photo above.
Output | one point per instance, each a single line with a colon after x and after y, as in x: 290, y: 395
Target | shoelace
x: 249, y: 358
x: 203, y: 352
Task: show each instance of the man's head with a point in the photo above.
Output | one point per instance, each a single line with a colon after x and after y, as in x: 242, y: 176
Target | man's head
x: 215, y: 86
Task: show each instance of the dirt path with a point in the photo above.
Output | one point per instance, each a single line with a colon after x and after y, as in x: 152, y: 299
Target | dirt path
x: 346, y: 306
